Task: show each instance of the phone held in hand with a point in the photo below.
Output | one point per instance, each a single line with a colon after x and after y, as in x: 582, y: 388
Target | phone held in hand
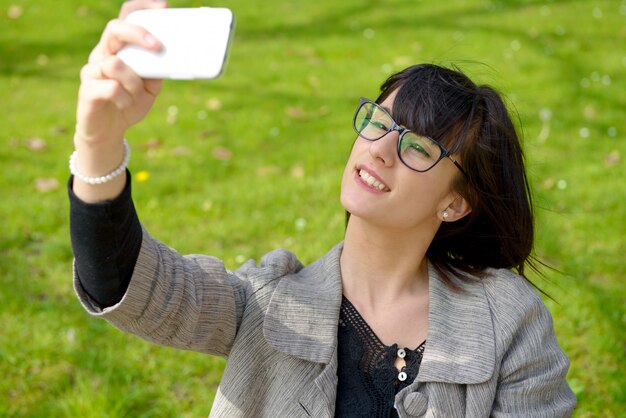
x: 195, y: 43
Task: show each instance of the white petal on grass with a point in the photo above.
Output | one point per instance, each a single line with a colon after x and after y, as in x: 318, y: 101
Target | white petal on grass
x: 172, y: 112
x: 583, y: 132
x: 70, y: 336
x: 545, y: 114
x: 561, y: 184
x: 612, y: 131
x: 300, y: 224
x: 597, y: 13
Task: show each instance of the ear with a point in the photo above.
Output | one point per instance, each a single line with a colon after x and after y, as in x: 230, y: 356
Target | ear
x: 456, y: 210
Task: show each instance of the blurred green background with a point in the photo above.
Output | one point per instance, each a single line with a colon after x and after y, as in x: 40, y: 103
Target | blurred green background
x: 238, y: 166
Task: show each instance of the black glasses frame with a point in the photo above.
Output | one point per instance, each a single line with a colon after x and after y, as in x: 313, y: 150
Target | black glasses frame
x: 402, y: 131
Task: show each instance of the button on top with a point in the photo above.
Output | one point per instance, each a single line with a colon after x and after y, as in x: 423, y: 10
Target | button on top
x: 402, y: 376
x: 401, y: 353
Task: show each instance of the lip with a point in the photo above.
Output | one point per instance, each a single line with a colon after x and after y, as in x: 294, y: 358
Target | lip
x: 372, y: 173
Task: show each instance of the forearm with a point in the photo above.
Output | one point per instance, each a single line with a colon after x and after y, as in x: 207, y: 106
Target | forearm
x: 106, y: 239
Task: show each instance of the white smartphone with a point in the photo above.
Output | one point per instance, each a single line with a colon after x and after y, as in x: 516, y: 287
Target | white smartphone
x: 195, y: 43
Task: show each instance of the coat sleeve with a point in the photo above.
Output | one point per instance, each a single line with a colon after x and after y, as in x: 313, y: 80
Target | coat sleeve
x: 532, y: 374
x: 186, y: 302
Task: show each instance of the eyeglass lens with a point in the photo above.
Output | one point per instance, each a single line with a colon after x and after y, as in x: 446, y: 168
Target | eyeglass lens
x: 418, y: 152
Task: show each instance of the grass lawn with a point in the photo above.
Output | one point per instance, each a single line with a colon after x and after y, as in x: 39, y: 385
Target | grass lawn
x: 238, y: 166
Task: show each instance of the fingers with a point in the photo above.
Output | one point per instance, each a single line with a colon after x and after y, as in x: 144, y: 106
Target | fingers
x: 153, y: 86
x: 119, y: 33
x: 115, y: 68
x: 112, y: 80
x: 100, y: 90
x: 131, y: 6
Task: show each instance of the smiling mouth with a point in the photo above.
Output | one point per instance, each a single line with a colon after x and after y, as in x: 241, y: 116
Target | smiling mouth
x: 371, y: 181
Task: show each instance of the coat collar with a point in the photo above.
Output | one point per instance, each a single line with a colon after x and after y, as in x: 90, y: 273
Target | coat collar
x: 303, y: 313
x: 460, y: 346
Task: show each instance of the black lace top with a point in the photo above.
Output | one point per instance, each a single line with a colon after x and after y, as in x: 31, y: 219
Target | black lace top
x: 368, y: 377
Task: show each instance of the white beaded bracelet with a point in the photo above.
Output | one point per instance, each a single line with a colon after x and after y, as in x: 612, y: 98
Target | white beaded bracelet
x: 102, y: 179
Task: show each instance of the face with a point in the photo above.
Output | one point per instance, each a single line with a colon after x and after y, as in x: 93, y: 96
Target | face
x: 377, y: 187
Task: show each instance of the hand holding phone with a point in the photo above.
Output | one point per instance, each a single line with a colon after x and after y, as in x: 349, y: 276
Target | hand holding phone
x: 195, y: 43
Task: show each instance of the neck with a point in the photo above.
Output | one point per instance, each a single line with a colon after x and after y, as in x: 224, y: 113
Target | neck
x: 380, y: 265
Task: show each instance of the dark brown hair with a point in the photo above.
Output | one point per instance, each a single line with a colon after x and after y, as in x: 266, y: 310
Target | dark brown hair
x: 473, y: 123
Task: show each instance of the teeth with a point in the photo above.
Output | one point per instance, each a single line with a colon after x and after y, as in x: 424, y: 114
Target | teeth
x: 371, y: 180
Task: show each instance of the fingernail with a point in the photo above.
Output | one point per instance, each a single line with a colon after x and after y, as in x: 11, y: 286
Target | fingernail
x: 150, y: 40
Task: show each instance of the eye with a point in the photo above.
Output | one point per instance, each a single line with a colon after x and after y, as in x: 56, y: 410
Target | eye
x: 415, y: 147
x: 418, y: 148
x: 379, y: 124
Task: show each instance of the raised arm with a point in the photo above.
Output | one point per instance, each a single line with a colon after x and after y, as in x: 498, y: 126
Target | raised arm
x: 105, y: 231
x: 111, y: 99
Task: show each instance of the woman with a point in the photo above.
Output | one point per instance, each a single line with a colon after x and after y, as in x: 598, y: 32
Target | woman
x: 415, y: 313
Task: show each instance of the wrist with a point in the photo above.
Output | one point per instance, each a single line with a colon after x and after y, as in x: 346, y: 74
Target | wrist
x: 99, y: 179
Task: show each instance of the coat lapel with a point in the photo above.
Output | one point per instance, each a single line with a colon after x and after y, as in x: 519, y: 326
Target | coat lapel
x: 303, y: 313
x: 460, y: 346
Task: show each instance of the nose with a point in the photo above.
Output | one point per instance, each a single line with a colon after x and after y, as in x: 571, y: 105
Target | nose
x: 384, y: 149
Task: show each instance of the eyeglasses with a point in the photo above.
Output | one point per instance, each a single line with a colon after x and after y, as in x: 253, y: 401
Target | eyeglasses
x: 419, y: 153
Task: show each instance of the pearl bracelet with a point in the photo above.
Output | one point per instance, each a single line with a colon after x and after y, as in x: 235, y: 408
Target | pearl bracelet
x: 102, y: 179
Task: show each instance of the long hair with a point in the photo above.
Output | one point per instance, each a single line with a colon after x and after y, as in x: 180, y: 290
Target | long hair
x: 472, y: 122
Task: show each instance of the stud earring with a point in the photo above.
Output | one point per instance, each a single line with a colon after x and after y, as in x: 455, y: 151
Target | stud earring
x: 445, y: 215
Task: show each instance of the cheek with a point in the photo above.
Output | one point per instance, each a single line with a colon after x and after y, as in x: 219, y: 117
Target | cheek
x: 349, y: 168
x: 348, y: 192
x: 422, y: 195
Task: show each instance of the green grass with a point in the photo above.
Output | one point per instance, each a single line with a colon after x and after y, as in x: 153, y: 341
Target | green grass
x: 295, y: 73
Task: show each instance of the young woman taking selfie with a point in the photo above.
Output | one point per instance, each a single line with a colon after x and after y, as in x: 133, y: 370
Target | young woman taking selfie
x: 422, y: 310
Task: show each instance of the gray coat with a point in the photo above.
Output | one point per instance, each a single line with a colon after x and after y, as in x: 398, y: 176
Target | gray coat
x: 490, y: 350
